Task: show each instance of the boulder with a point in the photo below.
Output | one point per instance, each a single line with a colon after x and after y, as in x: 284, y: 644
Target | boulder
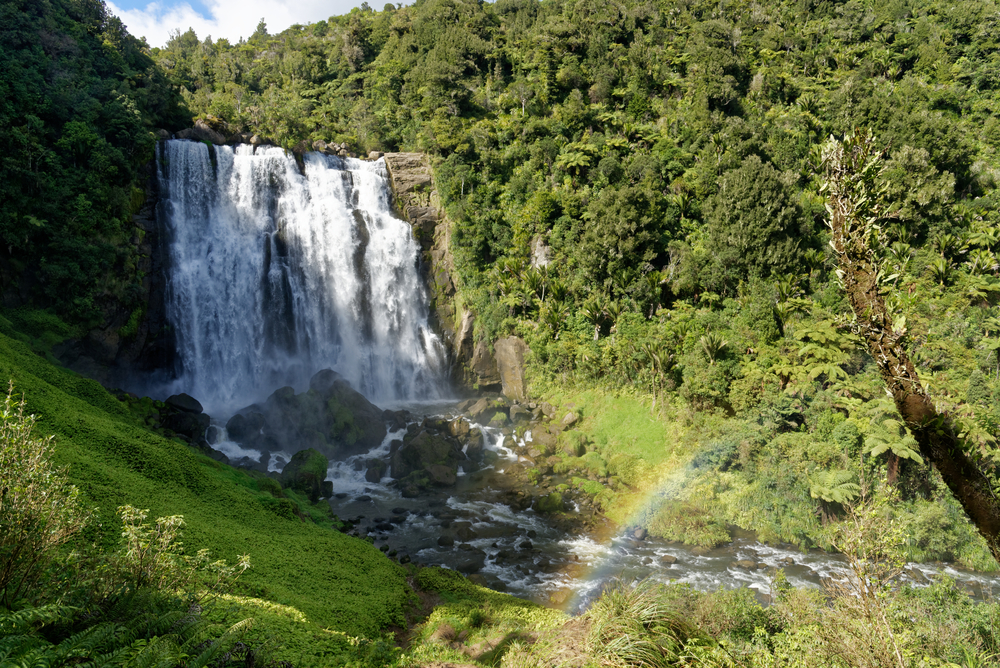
x: 202, y: 131
x: 569, y: 420
x: 442, y: 475
x: 191, y: 425
x: 458, y: 428
x: 550, y: 503
x: 484, y: 366
x: 510, y: 354
x: 548, y: 410
x: 376, y: 470
x: 331, y: 417
x: 479, y: 408
x: 428, y: 458
x: 184, y: 402
x: 543, y: 440
x: 306, y: 473
x: 668, y: 559
x: 470, y: 561
x: 519, y: 413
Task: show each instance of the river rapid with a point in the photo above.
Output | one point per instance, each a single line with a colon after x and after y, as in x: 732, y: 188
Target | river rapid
x: 482, y: 527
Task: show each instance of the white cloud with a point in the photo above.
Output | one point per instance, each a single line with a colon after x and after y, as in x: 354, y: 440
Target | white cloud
x: 231, y: 19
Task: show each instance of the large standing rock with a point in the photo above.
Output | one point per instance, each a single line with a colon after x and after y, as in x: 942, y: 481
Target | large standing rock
x: 510, y: 363
x: 184, y: 402
x: 331, y: 417
x: 483, y: 366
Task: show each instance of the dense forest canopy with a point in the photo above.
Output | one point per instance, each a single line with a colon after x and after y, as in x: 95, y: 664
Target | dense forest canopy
x: 78, y: 98
x: 669, y: 155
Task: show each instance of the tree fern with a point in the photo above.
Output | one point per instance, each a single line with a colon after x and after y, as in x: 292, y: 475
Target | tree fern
x: 833, y: 486
x: 890, y: 435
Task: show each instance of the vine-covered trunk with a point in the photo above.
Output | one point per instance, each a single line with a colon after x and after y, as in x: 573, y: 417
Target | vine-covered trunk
x: 853, y: 205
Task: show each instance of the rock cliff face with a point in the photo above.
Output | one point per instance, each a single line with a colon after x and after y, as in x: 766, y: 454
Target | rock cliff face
x: 417, y: 202
x: 130, y: 340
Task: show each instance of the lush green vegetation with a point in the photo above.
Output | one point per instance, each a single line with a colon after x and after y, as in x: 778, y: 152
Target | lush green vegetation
x: 328, y: 579
x: 669, y: 155
x: 79, y: 97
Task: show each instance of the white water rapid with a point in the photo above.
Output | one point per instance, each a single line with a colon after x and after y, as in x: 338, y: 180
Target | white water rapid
x: 275, y: 274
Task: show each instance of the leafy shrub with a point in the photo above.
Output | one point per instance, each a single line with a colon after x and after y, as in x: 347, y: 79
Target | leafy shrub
x: 39, y: 508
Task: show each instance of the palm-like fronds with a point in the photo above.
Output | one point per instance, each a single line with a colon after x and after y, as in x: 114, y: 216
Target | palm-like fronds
x: 890, y: 435
x: 834, y: 486
x: 713, y: 345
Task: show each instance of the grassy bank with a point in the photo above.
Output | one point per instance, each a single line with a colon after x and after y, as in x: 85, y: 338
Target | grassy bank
x: 331, y: 584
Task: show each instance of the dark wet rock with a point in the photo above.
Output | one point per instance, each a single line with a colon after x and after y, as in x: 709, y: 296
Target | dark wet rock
x: 384, y: 526
x: 396, y: 420
x: 524, y: 545
x: 364, y: 498
x: 445, y: 541
x: 668, y: 559
x: 470, y: 561
x: 465, y: 532
x: 213, y: 435
x: 746, y: 564
x: 441, y: 475
x: 330, y: 417
x: 398, y: 519
x: 184, y: 402
x: 376, y: 470
x: 191, y: 425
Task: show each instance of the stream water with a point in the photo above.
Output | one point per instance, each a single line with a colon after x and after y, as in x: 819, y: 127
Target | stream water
x: 474, y: 528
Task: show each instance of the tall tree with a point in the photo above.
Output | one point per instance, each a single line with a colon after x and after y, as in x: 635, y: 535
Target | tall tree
x: 856, y: 203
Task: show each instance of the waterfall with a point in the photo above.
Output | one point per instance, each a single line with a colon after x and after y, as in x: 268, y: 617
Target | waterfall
x: 275, y: 274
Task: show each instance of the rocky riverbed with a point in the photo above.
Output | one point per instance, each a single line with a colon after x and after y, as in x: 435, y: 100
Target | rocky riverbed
x: 488, y: 487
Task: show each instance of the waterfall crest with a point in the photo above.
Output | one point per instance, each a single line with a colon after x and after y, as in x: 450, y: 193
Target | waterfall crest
x: 275, y: 274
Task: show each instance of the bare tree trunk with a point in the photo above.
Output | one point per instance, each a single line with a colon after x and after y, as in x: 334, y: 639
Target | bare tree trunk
x: 853, y: 192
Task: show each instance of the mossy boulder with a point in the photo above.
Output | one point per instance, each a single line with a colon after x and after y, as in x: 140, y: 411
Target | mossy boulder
x: 306, y: 472
x: 550, y: 503
x: 433, y: 456
x: 330, y: 417
x: 573, y: 443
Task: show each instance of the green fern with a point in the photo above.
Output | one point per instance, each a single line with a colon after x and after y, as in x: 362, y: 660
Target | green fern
x: 833, y: 486
x: 890, y: 435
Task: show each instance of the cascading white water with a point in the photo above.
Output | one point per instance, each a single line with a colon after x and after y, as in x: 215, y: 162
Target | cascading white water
x: 275, y: 275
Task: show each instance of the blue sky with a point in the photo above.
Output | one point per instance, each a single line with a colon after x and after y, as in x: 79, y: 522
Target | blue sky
x: 157, y: 19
